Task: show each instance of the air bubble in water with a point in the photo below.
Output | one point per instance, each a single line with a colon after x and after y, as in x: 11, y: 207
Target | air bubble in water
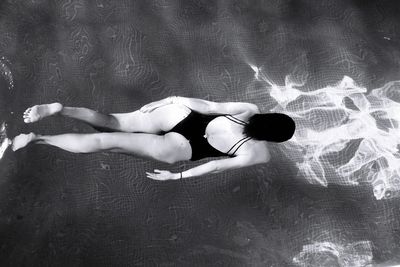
x: 6, y: 72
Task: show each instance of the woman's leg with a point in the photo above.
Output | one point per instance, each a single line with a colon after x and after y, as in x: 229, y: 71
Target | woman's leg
x: 99, y: 121
x: 168, y: 148
x: 94, y: 118
x: 161, y: 119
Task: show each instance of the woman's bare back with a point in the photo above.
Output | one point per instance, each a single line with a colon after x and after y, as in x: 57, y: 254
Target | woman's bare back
x: 221, y: 133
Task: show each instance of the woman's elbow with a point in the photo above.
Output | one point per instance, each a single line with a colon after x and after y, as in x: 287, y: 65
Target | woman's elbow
x: 216, y: 168
x: 221, y: 168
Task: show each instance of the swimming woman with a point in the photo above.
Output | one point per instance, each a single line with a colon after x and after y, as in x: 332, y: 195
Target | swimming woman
x: 171, y: 130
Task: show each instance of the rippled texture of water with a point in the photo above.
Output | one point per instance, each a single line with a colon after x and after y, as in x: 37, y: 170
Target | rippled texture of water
x: 63, y: 209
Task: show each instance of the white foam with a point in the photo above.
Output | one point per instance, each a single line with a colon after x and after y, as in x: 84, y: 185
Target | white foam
x: 325, y: 127
x: 355, y: 254
x: 4, y: 141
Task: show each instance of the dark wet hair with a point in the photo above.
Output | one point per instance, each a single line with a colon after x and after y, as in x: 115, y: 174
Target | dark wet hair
x: 272, y: 127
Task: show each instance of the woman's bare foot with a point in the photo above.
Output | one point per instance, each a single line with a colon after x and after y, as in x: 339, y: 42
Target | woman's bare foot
x: 39, y: 112
x: 22, y: 140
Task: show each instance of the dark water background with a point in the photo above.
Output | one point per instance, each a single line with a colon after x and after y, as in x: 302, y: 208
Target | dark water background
x: 63, y: 209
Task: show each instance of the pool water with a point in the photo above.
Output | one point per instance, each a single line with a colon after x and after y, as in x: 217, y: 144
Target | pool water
x: 321, y: 201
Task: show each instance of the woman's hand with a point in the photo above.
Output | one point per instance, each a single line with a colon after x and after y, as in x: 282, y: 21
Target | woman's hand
x: 162, y: 175
x: 153, y: 105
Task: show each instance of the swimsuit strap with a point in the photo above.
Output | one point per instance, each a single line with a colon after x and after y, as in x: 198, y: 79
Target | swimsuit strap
x: 235, y: 120
x: 244, y: 141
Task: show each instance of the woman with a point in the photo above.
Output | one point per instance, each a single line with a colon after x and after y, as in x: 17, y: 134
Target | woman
x: 171, y: 130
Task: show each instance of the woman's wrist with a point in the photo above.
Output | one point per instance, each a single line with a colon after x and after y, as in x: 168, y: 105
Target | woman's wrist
x: 178, y: 175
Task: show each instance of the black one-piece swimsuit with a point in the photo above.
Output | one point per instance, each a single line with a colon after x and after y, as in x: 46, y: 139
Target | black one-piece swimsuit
x: 193, y: 128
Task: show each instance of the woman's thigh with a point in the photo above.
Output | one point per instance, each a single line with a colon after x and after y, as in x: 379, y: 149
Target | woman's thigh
x: 159, y: 120
x: 178, y: 148
x: 168, y: 148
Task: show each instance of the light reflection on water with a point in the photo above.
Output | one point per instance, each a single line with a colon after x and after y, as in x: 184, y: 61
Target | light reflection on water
x: 326, y: 127
x: 5, y: 142
x: 6, y: 72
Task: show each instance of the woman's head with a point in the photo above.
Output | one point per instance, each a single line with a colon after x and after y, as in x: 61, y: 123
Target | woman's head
x: 271, y: 127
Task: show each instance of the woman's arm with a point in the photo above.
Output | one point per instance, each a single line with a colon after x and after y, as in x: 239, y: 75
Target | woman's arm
x: 210, y: 107
x: 214, y: 166
x: 209, y: 167
x: 217, y: 166
x: 203, y: 106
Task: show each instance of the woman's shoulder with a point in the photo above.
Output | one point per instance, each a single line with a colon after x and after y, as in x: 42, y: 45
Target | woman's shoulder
x: 258, y: 150
x: 252, y: 109
x: 233, y: 108
x: 248, y: 113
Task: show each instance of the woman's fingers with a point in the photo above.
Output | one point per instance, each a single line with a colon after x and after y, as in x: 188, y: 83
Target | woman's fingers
x: 158, y: 175
x: 144, y: 109
x: 151, y: 176
x: 152, y: 106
